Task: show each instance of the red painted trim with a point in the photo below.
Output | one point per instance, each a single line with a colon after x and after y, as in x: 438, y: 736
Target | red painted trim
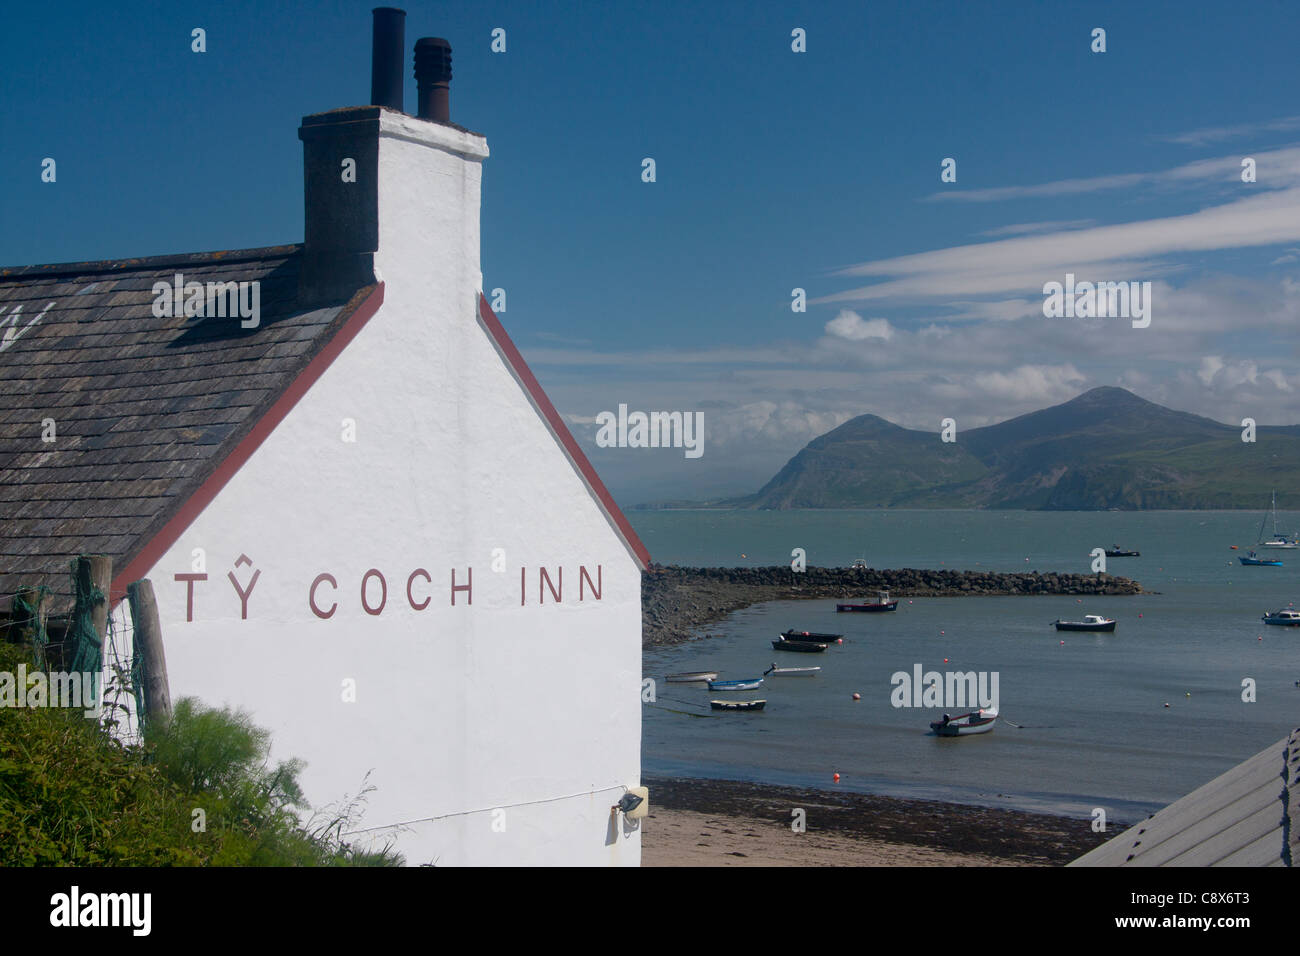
x: 561, y: 431
x: 193, y: 506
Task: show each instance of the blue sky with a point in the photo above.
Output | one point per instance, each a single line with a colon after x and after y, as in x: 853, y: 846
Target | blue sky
x: 775, y: 169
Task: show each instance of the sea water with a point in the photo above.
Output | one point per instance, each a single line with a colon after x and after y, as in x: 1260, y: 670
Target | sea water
x: 1095, y: 731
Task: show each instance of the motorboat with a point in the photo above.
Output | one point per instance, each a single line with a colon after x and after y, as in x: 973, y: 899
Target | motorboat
x: 976, y: 722
x: 1090, y: 622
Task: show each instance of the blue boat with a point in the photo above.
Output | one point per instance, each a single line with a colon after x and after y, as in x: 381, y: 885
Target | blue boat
x: 1253, y: 561
x: 748, y: 684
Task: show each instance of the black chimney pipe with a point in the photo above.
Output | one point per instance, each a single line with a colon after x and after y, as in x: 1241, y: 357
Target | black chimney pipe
x: 433, y: 78
x: 386, y: 53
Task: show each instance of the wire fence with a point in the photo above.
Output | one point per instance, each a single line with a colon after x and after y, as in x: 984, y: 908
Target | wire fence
x: 119, y: 676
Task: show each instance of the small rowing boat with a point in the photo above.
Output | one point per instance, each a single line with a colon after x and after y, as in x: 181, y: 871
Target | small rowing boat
x: 750, y: 683
x: 803, y: 647
x: 691, y: 677
x: 1090, y: 622
x: 793, y: 635
x: 976, y: 722
x: 791, y: 671
x: 737, y: 704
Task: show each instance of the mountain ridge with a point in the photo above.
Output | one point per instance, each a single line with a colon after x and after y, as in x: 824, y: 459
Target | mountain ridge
x: 1107, y: 448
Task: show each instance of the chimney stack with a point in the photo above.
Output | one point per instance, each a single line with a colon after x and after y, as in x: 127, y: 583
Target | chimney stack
x: 433, y: 78
x: 386, y: 52
x: 387, y: 192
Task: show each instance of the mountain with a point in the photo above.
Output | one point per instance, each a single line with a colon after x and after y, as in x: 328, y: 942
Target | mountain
x: 1107, y: 448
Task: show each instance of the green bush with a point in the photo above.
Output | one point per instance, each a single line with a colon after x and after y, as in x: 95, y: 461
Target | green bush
x: 198, y: 792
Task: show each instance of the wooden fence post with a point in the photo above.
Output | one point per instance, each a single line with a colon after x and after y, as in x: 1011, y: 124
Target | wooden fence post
x: 93, y: 572
x: 149, y: 648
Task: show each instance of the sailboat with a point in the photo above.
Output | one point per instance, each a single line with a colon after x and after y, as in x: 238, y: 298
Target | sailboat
x: 1279, y: 539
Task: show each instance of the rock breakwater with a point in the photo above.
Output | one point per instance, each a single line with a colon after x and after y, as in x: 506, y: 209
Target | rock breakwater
x: 676, y: 601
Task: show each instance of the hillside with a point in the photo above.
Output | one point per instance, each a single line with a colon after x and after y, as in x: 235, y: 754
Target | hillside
x: 1107, y: 448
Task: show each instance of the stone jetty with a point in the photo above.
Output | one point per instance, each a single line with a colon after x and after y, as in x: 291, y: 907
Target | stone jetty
x: 677, y: 601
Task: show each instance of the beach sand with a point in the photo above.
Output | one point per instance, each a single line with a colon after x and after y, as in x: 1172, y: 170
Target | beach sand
x: 728, y: 823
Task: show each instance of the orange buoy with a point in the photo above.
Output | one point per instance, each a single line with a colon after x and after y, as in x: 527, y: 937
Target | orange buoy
x: 945, y: 660
x: 837, y: 778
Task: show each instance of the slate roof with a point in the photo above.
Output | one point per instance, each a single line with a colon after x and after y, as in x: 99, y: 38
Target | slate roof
x: 1246, y: 817
x: 145, y: 408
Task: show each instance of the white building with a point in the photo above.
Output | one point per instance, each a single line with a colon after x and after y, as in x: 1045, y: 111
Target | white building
x: 364, y: 521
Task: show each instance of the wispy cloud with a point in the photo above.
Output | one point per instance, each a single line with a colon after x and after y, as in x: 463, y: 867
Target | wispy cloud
x: 1276, y: 168
x: 1119, y: 252
x: 1212, y: 134
x: 1031, y: 228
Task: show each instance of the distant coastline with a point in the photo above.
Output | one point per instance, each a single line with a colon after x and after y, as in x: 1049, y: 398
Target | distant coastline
x: 677, y: 601
x: 1105, y: 450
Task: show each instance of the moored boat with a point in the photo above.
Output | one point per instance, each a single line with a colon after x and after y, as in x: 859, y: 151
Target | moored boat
x: 803, y: 647
x: 691, y: 677
x: 738, y: 704
x: 793, y: 635
x: 1279, y: 539
x: 750, y: 683
x: 1286, y: 617
x: 791, y: 671
x: 882, y: 603
x: 1118, y: 552
x: 1090, y: 622
x: 976, y: 722
x: 1252, y: 560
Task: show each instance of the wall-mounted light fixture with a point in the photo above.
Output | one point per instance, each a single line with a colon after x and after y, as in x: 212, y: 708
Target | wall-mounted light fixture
x: 634, y: 804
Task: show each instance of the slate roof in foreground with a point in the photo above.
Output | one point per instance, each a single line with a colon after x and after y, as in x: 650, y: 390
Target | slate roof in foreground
x: 1246, y: 817
x: 145, y: 408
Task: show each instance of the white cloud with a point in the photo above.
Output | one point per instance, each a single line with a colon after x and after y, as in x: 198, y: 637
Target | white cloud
x: 1210, y: 367
x: 1277, y: 378
x: 1127, y: 252
x: 1211, y: 134
x: 1033, y: 383
x: 1027, y: 228
x: 1274, y: 168
x: 849, y: 325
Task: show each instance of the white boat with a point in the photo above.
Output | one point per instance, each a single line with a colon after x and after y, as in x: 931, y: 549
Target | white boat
x: 1279, y: 538
x: 749, y: 683
x: 1090, y: 622
x: 1286, y: 617
x: 976, y: 722
x: 691, y: 677
x: 791, y: 671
